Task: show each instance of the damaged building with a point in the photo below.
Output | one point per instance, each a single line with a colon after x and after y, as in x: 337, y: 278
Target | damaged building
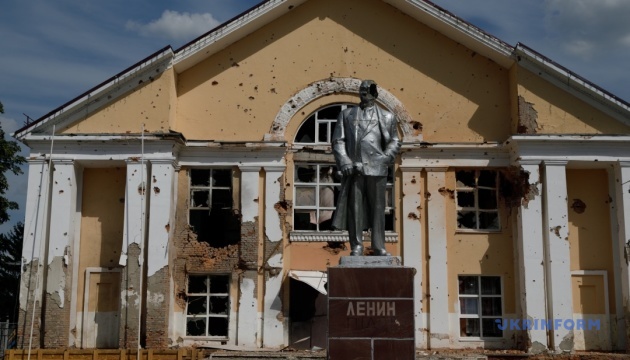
x: 187, y: 201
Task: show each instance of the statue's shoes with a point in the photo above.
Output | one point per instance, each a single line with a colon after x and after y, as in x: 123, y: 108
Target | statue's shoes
x: 381, y: 252
x: 358, y: 251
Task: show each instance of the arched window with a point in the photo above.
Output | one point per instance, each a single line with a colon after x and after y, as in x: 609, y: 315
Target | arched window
x: 316, y: 178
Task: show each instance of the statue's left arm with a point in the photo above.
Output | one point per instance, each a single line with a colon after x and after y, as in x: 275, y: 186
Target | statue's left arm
x: 393, y: 145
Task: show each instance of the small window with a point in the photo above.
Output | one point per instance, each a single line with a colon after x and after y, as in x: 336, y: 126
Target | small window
x: 477, y: 200
x: 316, y: 194
x: 208, y: 305
x: 480, y: 306
x: 211, y: 213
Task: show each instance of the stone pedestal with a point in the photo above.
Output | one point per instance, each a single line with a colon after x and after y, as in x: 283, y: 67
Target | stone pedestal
x: 370, y: 309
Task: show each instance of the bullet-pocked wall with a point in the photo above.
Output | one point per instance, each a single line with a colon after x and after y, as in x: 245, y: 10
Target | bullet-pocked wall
x: 437, y: 80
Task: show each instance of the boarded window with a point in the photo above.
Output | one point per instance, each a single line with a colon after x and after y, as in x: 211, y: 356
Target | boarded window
x: 211, y: 213
x: 477, y: 200
x: 480, y: 306
x: 208, y: 305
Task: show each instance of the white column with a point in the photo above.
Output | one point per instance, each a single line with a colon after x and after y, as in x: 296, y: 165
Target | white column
x: 556, y: 235
x: 61, y: 235
x: 412, y: 241
x: 622, y: 201
x: 275, y: 331
x: 135, y: 206
x: 249, y: 318
x: 530, y: 256
x: 34, y: 237
x: 161, y: 191
x: 439, y: 329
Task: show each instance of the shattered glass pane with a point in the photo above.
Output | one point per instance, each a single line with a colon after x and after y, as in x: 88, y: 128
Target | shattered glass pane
x: 222, y: 177
x: 199, y: 199
x: 389, y: 197
x: 331, y: 112
x: 465, y: 199
x: 323, y: 132
x: 468, y: 285
x: 487, y: 199
x: 197, y: 284
x: 306, y: 133
x: 465, y: 178
x: 487, y: 178
x: 466, y: 220
x: 302, y: 220
x: 305, y: 173
x: 196, y: 326
x: 468, y: 306
x: 304, y: 196
x: 469, y: 327
x: 490, y: 285
x: 217, y: 326
x: 197, y: 305
x: 491, y: 327
x: 219, y: 305
x: 221, y: 198
x: 491, y: 306
x: 489, y: 220
x: 199, y: 222
x: 219, y: 284
x: 199, y: 177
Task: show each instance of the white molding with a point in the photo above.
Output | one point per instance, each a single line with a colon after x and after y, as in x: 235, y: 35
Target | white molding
x: 444, y: 155
x: 334, y: 236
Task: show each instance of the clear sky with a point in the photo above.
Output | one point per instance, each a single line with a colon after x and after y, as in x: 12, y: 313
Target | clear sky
x: 53, y: 50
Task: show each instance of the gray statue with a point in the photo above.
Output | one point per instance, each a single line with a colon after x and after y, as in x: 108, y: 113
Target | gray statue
x: 365, y: 143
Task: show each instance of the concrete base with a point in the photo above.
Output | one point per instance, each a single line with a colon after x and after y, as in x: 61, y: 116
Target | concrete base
x: 370, y: 261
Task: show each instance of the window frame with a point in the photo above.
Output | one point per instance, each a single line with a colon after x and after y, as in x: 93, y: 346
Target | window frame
x: 479, y: 315
x: 318, y: 121
x: 476, y: 209
x: 208, y: 315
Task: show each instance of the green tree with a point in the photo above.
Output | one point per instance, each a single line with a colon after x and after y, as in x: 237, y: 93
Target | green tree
x: 10, y: 260
x: 10, y: 160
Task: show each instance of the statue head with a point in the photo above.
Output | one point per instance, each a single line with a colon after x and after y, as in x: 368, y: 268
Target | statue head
x: 368, y: 92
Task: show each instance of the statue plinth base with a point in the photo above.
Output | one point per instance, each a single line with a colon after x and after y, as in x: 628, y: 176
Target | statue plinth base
x: 371, y: 309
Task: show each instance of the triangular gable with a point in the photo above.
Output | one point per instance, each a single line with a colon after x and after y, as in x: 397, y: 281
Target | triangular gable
x: 244, y: 24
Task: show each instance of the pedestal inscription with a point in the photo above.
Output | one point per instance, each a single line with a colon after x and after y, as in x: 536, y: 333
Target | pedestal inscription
x: 370, y: 312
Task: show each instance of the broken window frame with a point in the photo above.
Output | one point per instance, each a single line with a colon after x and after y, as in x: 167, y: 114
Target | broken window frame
x: 475, y: 209
x: 479, y: 313
x: 319, y: 122
x: 209, y: 189
x: 208, y: 295
x: 318, y: 185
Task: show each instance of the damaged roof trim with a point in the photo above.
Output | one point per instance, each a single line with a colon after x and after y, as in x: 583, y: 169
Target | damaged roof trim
x: 95, y: 98
x: 574, y: 84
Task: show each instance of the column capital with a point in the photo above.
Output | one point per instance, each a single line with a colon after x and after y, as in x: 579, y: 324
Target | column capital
x: 36, y: 161
x: 275, y: 168
x: 136, y: 160
x: 623, y: 163
x: 63, y: 161
x: 529, y: 162
x: 249, y: 168
x: 436, y: 169
x: 405, y: 168
x: 172, y: 162
x: 555, y: 162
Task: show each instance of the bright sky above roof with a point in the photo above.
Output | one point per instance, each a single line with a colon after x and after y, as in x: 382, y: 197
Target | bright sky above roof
x: 52, y: 51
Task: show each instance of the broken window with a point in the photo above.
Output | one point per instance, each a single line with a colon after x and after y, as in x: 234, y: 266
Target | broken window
x: 319, y: 127
x: 316, y: 194
x: 480, y: 306
x: 211, y: 213
x: 208, y: 305
x: 477, y: 200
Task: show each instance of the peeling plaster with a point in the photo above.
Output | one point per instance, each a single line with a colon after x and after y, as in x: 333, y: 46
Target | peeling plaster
x: 56, y: 284
x: 527, y: 117
x: 275, y: 261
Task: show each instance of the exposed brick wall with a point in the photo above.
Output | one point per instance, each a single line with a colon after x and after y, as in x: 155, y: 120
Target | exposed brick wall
x: 130, y: 308
x: 25, y: 316
x: 57, y: 311
x: 157, y: 309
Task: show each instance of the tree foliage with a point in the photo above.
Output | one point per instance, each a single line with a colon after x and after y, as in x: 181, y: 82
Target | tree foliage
x: 10, y: 261
x: 10, y: 160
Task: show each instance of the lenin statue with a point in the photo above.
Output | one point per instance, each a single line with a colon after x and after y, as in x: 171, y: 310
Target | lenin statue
x: 365, y: 144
